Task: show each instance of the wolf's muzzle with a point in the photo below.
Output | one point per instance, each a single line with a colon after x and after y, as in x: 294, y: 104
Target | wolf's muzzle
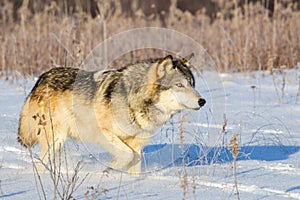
x: 201, y: 102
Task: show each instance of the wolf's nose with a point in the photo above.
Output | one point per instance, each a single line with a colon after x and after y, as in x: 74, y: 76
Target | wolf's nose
x: 201, y: 102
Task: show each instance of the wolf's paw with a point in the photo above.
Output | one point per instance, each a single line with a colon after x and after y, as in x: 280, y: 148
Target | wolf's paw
x: 136, y: 169
x: 135, y: 174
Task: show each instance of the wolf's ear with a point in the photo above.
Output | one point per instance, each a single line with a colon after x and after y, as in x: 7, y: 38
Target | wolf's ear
x: 187, y: 60
x: 164, y: 65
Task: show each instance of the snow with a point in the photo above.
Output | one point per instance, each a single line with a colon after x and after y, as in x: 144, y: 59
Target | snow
x: 265, y: 114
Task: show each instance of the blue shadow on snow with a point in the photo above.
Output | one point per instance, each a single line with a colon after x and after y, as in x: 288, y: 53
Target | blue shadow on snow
x: 193, y: 155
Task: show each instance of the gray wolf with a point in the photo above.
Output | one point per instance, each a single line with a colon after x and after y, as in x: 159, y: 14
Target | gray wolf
x: 119, y: 109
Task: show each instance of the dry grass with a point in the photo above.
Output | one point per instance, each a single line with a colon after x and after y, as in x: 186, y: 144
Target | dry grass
x: 234, y: 147
x: 183, y: 174
x: 249, y: 40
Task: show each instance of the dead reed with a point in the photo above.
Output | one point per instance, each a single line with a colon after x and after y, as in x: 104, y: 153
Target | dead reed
x: 234, y: 147
x: 183, y: 174
x: 247, y: 40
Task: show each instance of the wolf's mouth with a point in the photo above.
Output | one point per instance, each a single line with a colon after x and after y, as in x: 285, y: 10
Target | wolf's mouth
x: 198, y: 108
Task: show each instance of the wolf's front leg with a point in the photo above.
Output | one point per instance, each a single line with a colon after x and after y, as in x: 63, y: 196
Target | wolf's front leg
x: 137, y: 144
x: 135, y: 167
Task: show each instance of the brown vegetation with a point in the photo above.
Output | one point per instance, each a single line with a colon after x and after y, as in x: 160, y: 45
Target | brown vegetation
x: 239, y: 37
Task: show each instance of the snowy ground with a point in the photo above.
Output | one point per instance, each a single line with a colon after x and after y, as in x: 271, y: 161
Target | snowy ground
x: 266, y: 118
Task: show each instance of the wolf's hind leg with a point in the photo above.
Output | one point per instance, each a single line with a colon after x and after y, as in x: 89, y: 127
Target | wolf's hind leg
x: 49, y: 152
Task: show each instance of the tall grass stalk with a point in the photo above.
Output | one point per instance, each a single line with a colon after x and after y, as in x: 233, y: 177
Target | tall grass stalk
x: 234, y: 147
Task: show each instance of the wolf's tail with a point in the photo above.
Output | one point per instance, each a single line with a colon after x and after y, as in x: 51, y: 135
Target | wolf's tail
x: 26, y: 134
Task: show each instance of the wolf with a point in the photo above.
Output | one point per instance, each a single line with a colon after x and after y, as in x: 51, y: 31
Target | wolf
x: 119, y: 109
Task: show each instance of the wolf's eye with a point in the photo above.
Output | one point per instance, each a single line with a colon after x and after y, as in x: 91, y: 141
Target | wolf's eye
x: 180, y: 85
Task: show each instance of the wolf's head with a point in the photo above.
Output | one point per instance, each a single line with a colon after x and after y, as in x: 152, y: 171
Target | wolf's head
x: 176, y: 85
